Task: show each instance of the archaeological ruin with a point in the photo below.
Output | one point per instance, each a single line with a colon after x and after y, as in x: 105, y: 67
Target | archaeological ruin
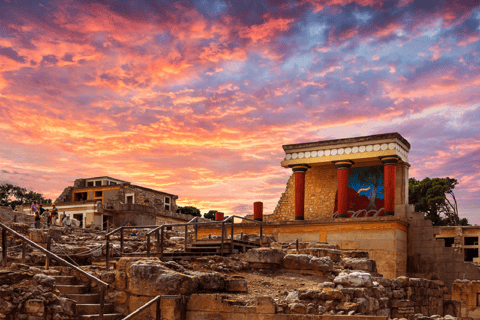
x: 343, y: 243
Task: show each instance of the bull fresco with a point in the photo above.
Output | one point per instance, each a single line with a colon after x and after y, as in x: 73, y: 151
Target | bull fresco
x: 365, y: 192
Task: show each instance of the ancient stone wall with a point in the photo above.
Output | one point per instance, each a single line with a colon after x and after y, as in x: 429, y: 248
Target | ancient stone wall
x: 8, y: 215
x: 429, y: 258
x: 466, y: 292
x: 148, y: 197
x: 320, y: 189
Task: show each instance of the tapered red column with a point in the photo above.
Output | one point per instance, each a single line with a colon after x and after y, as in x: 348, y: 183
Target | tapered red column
x: 342, y: 182
x: 299, y: 172
x: 218, y: 216
x: 258, y: 211
x: 389, y: 172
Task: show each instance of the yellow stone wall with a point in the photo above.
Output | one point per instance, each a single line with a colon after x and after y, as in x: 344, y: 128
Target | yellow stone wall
x: 385, y: 238
x: 320, y: 189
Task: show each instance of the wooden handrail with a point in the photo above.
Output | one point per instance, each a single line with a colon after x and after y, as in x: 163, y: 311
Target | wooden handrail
x: 46, y: 252
x: 157, y: 299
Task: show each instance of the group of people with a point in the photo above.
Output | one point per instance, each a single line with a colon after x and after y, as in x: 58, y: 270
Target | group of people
x: 51, y: 216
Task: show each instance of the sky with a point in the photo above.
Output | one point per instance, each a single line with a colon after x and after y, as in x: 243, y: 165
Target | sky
x: 196, y: 98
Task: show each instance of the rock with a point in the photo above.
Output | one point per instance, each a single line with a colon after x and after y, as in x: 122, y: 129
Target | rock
x: 265, y: 305
x: 362, y: 305
x: 151, y: 277
x: 354, y: 279
x: 359, y: 264
x: 174, y: 266
x: 331, y: 294
x: 292, y: 296
x: 306, y: 262
x: 346, y: 307
x: 69, y: 306
x: 116, y: 297
x: 265, y: 256
x: 210, y: 280
x: 44, y: 280
x: 35, y: 307
x: 236, y: 284
x: 38, y: 236
x: 297, y: 308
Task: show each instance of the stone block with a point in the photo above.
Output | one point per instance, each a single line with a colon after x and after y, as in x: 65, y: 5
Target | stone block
x: 35, y: 307
x: 265, y: 305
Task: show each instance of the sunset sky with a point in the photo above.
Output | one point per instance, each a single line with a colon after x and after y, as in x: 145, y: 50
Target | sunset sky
x: 196, y: 98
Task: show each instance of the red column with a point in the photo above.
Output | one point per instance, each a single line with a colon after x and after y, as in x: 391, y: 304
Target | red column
x: 218, y: 216
x: 389, y: 171
x: 258, y: 211
x: 299, y: 172
x: 342, y: 182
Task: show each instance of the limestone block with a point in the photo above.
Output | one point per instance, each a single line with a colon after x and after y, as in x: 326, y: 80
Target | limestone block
x: 354, y: 279
x: 215, y: 303
x: 360, y: 264
x: 306, y: 262
x: 236, y: 284
x: 265, y: 305
x: 35, y: 307
x: 116, y: 297
x: 265, y: 256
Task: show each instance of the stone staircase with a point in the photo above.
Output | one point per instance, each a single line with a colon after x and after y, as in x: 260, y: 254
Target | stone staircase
x: 88, y: 303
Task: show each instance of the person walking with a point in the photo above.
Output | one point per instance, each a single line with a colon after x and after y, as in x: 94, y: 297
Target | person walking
x: 34, y: 207
x: 38, y: 217
x: 54, y: 215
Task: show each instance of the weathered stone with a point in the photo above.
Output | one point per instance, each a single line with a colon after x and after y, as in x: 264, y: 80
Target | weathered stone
x: 35, y: 307
x: 297, y: 308
x: 236, y: 284
x: 44, y: 280
x: 210, y: 280
x: 265, y: 256
x: 346, y: 307
x: 354, y: 279
x: 360, y: 264
x: 331, y: 294
x: 116, y: 297
x: 306, y: 262
x: 69, y: 306
x: 265, y: 305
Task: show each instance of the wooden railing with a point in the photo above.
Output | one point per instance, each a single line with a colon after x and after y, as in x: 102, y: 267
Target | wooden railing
x: 159, y: 231
x: 158, y: 311
x: 49, y: 255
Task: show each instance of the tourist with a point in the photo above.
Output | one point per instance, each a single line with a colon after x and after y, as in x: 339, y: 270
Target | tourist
x: 134, y: 233
x: 41, y: 210
x: 54, y: 214
x: 38, y: 217
x: 34, y: 207
x: 45, y: 214
x: 67, y: 221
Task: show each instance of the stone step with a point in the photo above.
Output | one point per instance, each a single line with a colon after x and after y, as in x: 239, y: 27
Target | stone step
x: 62, y: 280
x: 108, y: 316
x: 71, y: 289
x: 87, y: 298
x: 85, y: 309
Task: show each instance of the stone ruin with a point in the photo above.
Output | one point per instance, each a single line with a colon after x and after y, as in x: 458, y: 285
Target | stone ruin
x: 309, y: 280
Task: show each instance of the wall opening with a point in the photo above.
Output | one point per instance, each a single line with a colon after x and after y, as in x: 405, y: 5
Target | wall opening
x: 449, y: 241
x: 470, y: 254
x: 79, y: 217
x: 90, y: 184
x: 470, y: 241
x: 129, y: 199
x: 98, y: 183
x: 98, y: 193
x: 80, y: 196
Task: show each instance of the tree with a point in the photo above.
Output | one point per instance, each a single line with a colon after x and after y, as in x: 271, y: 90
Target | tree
x: 13, y: 195
x: 193, y: 211
x: 436, y: 199
x: 373, y: 175
x: 210, y: 214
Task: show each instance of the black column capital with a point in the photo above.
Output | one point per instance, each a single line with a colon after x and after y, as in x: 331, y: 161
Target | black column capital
x: 302, y: 167
x: 393, y: 159
x: 343, y: 164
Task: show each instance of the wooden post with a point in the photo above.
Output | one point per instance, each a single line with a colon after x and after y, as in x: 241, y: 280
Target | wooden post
x: 158, y: 240
x: 24, y: 252
x: 161, y: 241
x: 297, y: 246
x: 159, y: 311
x: 196, y: 229
x: 47, y: 258
x: 102, y: 301
x: 85, y: 224
x: 231, y: 243
x: 223, y: 229
x: 108, y: 226
x: 241, y: 236
x: 148, y: 246
x: 4, y: 247
x: 121, y: 241
x: 107, y: 254
x: 186, y: 237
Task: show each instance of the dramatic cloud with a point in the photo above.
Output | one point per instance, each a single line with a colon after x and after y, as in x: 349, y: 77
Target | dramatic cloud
x: 197, y: 97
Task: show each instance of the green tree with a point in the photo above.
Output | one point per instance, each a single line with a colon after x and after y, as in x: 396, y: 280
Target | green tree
x: 13, y: 195
x: 210, y: 214
x: 193, y: 211
x: 436, y: 199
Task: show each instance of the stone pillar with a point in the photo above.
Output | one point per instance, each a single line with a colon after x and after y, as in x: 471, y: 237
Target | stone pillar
x: 219, y: 216
x: 389, y: 173
x: 299, y: 171
x: 343, y: 167
x: 258, y: 211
